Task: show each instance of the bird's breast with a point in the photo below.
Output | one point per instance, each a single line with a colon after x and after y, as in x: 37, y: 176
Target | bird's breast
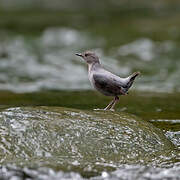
x: 91, y: 79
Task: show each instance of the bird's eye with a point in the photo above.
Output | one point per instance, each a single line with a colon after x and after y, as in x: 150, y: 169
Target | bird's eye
x: 86, y: 55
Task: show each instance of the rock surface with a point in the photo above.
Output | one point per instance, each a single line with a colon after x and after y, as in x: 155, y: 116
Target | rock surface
x: 70, y: 139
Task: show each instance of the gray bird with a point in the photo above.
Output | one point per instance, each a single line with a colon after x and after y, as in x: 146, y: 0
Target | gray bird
x: 104, y: 81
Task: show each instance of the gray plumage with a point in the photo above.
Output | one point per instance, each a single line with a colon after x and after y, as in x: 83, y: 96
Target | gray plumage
x: 104, y: 81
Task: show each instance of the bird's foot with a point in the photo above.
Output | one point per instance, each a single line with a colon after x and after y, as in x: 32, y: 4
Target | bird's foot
x: 98, y: 109
x: 111, y: 109
x: 105, y: 109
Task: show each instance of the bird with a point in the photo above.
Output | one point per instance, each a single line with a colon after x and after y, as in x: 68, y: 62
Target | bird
x: 104, y: 81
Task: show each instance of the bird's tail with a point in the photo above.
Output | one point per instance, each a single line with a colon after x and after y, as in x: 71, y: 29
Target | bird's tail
x: 132, y: 78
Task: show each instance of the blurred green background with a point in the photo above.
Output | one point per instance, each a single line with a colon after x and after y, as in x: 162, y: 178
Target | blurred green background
x: 38, y: 67
x: 38, y: 40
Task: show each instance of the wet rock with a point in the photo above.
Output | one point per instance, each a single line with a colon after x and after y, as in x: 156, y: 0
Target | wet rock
x: 70, y: 139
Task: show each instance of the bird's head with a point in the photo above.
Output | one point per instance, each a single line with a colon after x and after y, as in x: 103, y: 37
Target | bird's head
x: 89, y: 57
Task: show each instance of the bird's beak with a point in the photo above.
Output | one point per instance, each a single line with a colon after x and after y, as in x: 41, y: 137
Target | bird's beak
x: 79, y: 54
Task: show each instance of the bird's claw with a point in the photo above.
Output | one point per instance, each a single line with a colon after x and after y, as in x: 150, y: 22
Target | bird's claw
x: 104, y: 109
x: 98, y: 109
x: 109, y: 109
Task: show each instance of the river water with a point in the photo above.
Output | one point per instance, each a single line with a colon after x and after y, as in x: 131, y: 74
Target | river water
x: 47, y: 124
x: 48, y: 61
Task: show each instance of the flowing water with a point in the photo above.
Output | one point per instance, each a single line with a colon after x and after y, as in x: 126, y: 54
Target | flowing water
x: 48, y: 61
x: 48, y: 129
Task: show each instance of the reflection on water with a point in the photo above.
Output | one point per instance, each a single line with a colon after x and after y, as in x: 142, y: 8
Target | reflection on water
x: 48, y: 62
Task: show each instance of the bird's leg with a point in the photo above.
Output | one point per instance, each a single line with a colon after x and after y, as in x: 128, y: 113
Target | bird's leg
x: 110, y: 104
x: 116, y: 99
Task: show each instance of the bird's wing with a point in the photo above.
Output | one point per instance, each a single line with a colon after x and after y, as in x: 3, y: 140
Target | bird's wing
x: 111, y: 84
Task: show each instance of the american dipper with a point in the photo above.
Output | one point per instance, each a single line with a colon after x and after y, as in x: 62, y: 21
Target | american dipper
x: 104, y: 81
